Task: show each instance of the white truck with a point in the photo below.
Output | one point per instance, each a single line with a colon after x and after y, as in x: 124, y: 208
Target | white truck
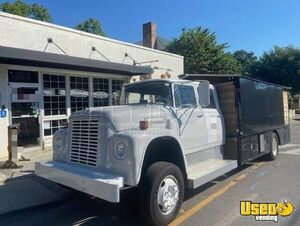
x: 167, y: 135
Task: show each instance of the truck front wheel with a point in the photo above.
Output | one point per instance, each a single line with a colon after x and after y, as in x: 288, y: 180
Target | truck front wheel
x: 161, y: 193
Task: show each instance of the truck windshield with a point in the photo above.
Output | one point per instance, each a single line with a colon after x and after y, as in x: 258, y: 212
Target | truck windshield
x: 158, y: 92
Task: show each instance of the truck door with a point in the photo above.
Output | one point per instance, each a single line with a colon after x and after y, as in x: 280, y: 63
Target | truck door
x: 213, y: 121
x: 192, y: 129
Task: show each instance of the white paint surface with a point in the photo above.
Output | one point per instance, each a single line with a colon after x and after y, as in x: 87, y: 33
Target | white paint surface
x: 20, y: 32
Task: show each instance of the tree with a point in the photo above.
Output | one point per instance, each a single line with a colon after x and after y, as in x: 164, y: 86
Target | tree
x: 39, y: 12
x: 17, y: 8
x: 247, y: 60
x: 91, y: 25
x: 281, y: 65
x: 202, y: 53
x: 34, y: 11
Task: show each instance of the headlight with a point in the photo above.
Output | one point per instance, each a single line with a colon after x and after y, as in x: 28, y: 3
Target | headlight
x: 58, y: 143
x: 120, y: 151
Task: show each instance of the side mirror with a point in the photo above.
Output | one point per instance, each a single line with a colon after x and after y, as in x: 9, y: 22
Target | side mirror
x: 204, y: 93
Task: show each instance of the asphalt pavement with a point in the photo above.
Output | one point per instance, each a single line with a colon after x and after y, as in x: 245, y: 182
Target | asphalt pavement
x: 215, y: 203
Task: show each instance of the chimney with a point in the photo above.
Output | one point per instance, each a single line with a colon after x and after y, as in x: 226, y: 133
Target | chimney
x: 149, y: 35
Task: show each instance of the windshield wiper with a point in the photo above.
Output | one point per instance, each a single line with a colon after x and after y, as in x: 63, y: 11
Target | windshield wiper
x: 159, y: 103
x: 188, y: 106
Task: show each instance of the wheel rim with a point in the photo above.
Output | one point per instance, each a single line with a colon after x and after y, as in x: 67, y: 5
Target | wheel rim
x: 168, y: 193
x: 274, y: 146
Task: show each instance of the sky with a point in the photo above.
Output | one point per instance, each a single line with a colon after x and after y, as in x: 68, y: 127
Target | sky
x: 253, y: 25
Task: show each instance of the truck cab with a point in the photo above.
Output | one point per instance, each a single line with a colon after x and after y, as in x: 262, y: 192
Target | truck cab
x: 164, y: 136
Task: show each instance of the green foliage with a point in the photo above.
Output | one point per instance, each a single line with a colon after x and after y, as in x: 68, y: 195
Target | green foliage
x: 33, y: 11
x: 39, y: 12
x: 202, y: 53
x: 281, y: 65
x: 91, y: 25
x: 17, y: 8
x: 247, y: 60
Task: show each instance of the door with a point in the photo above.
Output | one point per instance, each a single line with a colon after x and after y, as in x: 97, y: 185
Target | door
x: 213, y: 121
x: 25, y: 112
x: 191, y: 122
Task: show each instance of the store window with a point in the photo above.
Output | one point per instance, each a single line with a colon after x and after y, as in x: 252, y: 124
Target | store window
x: 116, y: 89
x: 54, y: 94
x: 50, y: 127
x: 23, y: 76
x: 24, y: 87
x: 79, y: 93
x: 100, y: 92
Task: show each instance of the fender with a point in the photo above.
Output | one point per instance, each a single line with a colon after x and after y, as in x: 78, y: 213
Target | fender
x: 158, y: 139
x: 138, y: 145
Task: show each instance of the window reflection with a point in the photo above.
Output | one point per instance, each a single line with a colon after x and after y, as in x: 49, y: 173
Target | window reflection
x: 101, y: 92
x: 79, y: 93
x: 116, y: 91
x: 54, y: 94
x: 50, y: 127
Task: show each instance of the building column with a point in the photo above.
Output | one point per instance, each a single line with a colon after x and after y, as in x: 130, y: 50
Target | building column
x: 109, y: 91
x: 41, y: 107
x: 4, y: 100
x: 91, y: 91
x: 68, y: 95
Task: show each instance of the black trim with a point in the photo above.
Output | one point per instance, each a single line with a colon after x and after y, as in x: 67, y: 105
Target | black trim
x: 224, y: 77
x: 25, y: 57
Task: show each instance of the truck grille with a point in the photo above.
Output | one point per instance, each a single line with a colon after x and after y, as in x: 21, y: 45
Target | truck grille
x: 84, y: 141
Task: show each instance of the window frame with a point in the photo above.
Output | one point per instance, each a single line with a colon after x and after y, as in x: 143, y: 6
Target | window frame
x: 174, y: 97
x: 78, y: 88
x: 100, y: 86
x: 14, y: 74
x: 115, y: 83
x: 212, y: 97
x: 61, y: 124
x: 56, y: 96
x: 170, y: 90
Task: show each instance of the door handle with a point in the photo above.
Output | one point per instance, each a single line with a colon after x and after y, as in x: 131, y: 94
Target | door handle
x: 200, y: 116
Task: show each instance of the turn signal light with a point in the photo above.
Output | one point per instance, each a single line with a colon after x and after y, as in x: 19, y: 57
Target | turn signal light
x: 143, y: 125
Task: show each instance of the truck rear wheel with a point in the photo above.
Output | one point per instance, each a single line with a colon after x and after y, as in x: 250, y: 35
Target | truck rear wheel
x: 161, y: 193
x: 274, y: 148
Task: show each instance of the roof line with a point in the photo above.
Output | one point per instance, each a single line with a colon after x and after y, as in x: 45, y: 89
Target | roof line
x: 11, y: 16
x: 208, y: 75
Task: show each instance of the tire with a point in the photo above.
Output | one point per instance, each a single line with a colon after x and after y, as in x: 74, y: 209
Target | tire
x: 274, y: 148
x: 160, y: 178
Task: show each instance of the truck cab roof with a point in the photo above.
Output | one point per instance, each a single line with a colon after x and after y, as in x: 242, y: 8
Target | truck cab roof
x: 166, y: 80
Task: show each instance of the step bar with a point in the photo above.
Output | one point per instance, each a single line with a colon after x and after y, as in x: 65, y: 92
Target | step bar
x: 208, y: 170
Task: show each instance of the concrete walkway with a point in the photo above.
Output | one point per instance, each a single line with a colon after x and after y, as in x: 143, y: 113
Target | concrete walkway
x: 21, y: 189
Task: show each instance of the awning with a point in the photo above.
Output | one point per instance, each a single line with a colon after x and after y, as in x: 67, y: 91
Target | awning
x: 26, y: 57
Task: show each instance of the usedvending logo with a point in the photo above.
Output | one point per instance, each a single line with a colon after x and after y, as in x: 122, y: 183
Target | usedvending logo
x: 266, y: 211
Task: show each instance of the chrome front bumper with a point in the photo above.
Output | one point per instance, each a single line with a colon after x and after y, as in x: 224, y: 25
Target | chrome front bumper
x: 100, y: 185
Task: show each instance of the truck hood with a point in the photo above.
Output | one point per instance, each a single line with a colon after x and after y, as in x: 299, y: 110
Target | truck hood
x: 126, y: 117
